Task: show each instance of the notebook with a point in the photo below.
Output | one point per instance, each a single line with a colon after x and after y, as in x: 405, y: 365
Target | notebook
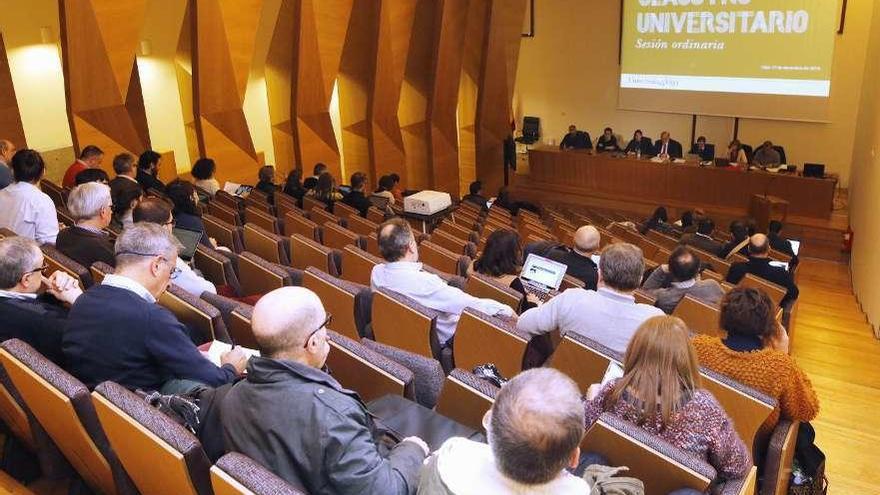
x: 795, y: 245
x: 541, y: 276
x: 190, y: 240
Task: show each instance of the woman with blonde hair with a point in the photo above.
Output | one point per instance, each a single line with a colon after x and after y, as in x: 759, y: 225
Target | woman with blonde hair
x: 659, y: 391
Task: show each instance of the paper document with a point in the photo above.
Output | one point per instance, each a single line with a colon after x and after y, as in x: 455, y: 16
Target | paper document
x: 613, y: 372
x: 217, y: 348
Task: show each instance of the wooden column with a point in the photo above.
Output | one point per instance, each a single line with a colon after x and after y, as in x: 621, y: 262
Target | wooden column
x: 104, y: 100
x: 468, y: 92
x: 225, y: 36
x: 11, y: 127
x: 500, y: 54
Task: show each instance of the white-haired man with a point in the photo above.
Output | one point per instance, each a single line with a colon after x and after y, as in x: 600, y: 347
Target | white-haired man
x: 117, y: 332
x: 92, y: 209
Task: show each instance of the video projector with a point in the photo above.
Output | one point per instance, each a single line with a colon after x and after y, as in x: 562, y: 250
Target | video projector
x: 427, y: 202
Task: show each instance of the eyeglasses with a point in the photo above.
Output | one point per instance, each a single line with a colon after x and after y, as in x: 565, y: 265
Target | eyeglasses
x: 40, y: 269
x: 173, y: 273
x: 170, y: 222
x: 323, y: 325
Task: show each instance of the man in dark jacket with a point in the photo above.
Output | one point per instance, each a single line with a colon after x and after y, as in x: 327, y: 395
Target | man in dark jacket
x: 148, y: 171
x: 356, y: 198
x: 578, y: 258
x: 759, y: 266
x: 670, y: 283
x: 90, y: 206
x: 36, y: 319
x: 702, y: 239
x: 298, y: 421
x: 476, y: 195
x: 116, y: 331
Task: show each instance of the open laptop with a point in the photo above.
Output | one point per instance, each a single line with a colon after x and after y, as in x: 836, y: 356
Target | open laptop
x: 814, y: 170
x: 541, y: 276
x: 190, y: 240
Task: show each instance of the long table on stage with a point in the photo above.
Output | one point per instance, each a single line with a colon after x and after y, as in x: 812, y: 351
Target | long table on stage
x: 687, y: 185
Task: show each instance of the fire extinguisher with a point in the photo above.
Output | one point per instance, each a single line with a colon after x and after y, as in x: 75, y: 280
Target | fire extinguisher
x: 847, y: 241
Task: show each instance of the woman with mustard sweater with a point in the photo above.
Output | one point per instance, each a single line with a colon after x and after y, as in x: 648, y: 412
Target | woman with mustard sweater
x: 755, y: 353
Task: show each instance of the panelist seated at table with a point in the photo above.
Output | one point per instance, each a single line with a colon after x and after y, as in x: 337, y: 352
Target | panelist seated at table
x: 576, y: 140
x: 704, y: 149
x: 640, y: 144
x: 736, y: 153
x: 666, y: 147
x: 607, y: 141
x: 766, y: 155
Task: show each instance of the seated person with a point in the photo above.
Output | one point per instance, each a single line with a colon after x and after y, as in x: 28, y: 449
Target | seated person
x: 535, y: 427
x: 395, y: 189
x: 576, y: 140
x: 609, y: 315
x: 503, y: 200
x: 157, y: 211
x: 29, y: 315
x: 755, y: 353
x: 90, y: 157
x: 736, y: 153
x: 766, y: 155
x: 356, y: 198
x: 476, y: 195
x: 702, y: 238
x: 607, y: 141
x: 116, y: 331
x: 312, y: 181
x: 386, y: 184
x: 686, y: 223
x: 300, y: 423
x: 660, y: 391
x: 666, y: 147
x: 325, y: 190
x: 501, y: 260
x: 759, y: 266
x: 126, y: 170
x: 293, y: 185
x: 681, y: 277
x: 91, y: 175
x: 639, y: 144
x: 148, y: 171
x: 203, y: 171
x: 739, y: 240
x: 659, y: 221
x: 186, y: 212
x: 87, y: 242
x: 266, y: 183
x: 579, y: 258
x: 402, y: 273
x: 778, y: 242
x: 24, y: 208
x: 124, y: 201
x: 706, y: 151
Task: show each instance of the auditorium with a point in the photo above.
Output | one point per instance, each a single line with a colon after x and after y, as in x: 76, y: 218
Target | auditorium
x: 439, y: 247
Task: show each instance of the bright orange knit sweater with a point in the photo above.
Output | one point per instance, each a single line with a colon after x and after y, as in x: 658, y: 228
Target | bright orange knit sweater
x: 767, y: 370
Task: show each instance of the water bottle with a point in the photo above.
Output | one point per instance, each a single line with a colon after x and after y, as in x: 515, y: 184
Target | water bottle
x: 639, y: 153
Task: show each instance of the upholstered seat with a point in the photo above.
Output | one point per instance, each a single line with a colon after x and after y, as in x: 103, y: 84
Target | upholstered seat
x: 466, y: 398
x: 258, y: 276
x: 237, y: 474
x: 218, y: 267
x: 58, y: 261
x: 367, y: 372
x: 481, y: 339
x: 343, y: 299
x: 427, y: 372
x: 228, y: 235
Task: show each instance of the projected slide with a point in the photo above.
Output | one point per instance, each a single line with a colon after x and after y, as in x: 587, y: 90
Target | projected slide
x: 762, y: 47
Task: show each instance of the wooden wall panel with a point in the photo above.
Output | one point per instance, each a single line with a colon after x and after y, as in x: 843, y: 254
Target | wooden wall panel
x: 10, y: 117
x: 279, y: 81
x: 498, y: 73
x: 318, y: 36
x: 183, y: 67
x: 225, y: 36
x: 104, y: 100
x: 468, y: 92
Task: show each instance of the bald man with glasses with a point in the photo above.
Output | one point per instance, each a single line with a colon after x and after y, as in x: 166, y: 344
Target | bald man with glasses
x: 299, y: 422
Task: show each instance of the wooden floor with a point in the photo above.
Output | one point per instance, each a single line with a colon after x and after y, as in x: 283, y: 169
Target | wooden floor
x: 836, y: 347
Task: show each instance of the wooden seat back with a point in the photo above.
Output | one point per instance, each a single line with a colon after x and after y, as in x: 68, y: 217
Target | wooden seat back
x: 338, y: 299
x: 569, y: 282
x: 644, y: 462
x: 321, y: 216
x: 56, y: 261
x: 337, y: 236
x: 224, y: 213
x: 398, y: 324
x: 226, y: 234
x: 240, y: 328
x: 357, y: 265
x: 193, y: 317
x: 14, y: 416
x: 583, y: 359
x: 663, y: 240
x: 310, y: 203
x: 305, y: 253
x: 700, y: 317
x: 643, y: 297
x: 455, y: 230
x: 361, y: 226
x: 776, y: 292
x: 463, y: 402
x: 479, y: 285
x: 56, y: 413
x: 143, y: 453
x: 295, y: 223
x: 375, y: 215
x: 261, y: 218
x: 359, y: 374
x: 441, y: 258
x: 480, y: 339
x: 255, y: 278
x: 263, y: 243
x: 212, y: 265
x: 343, y: 211
x: 450, y: 242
